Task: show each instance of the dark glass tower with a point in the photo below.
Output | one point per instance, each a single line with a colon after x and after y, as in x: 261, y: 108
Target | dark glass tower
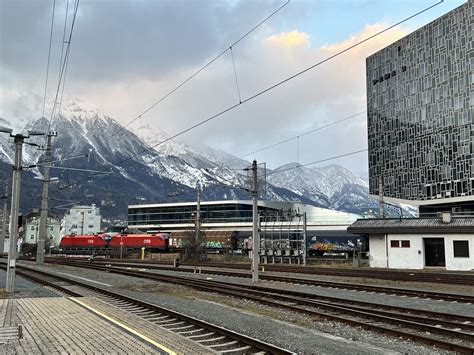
x: 420, y: 102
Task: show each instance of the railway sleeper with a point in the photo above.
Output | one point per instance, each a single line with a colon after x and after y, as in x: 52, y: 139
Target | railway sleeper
x: 243, y: 349
x: 219, y: 338
x: 230, y: 343
x: 174, y: 329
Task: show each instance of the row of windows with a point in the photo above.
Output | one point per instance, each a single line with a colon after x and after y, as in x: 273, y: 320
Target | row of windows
x: 185, y: 214
x: 34, y: 228
x: 400, y: 243
x: 460, y: 247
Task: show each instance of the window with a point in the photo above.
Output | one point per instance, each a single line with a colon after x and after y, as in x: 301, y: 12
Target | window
x: 461, y: 248
x: 405, y: 243
x: 395, y: 243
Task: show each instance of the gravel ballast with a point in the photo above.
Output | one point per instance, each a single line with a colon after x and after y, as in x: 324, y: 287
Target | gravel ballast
x: 296, y: 332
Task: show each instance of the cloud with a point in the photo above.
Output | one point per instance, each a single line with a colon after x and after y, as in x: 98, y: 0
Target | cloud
x: 290, y: 39
x: 126, y: 55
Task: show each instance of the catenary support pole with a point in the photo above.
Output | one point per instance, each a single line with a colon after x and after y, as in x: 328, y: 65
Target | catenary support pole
x: 198, y: 221
x: 304, y: 238
x: 255, y: 221
x: 43, y: 230
x: 381, y: 202
x: 4, y: 218
x: 15, y: 206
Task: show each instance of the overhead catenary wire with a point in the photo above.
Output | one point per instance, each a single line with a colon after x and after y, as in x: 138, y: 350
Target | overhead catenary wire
x: 235, y: 74
x: 62, y: 53
x: 66, y: 56
x: 189, y: 78
x: 304, y: 134
x: 318, y: 161
x: 254, y: 96
x: 49, y: 58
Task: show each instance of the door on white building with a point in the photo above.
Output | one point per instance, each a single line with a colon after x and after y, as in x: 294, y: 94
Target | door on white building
x: 434, y: 252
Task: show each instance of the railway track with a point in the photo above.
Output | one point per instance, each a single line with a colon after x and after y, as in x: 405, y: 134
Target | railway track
x: 216, y: 339
x: 392, y: 275
x: 452, y: 332
x: 298, y: 280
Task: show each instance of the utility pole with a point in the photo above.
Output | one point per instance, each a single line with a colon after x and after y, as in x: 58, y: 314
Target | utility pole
x: 255, y: 221
x: 381, y: 203
x: 15, y: 208
x: 198, y: 220
x: 15, y: 204
x: 304, y: 238
x: 4, y: 219
x: 42, y: 230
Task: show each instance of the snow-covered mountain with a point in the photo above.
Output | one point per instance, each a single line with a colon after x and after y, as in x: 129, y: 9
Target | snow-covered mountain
x: 123, y: 168
x: 195, y: 155
x: 332, y: 186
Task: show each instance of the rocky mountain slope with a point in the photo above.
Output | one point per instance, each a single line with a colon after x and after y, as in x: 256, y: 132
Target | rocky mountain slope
x: 122, y: 170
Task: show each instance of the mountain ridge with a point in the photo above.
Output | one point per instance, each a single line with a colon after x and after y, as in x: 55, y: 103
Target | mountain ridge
x: 170, y: 170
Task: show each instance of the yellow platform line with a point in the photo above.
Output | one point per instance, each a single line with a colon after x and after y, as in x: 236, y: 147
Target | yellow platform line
x: 123, y: 326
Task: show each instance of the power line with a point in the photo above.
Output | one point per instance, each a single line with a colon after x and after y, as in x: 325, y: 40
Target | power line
x: 290, y: 139
x: 277, y: 84
x: 294, y: 167
x: 66, y: 56
x: 303, y: 134
x: 202, y: 68
x: 319, y: 161
x: 62, y: 53
x: 49, y: 57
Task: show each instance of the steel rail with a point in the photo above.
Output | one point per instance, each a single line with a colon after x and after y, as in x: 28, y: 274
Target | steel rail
x: 241, y: 291
x: 240, y: 338
x: 295, y: 280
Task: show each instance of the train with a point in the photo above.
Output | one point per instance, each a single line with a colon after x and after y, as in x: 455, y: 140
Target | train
x: 113, y: 241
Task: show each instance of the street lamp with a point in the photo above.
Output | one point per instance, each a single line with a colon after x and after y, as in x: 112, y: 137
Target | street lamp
x: 19, y: 139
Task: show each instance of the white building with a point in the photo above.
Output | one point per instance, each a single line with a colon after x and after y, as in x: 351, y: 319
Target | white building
x: 53, y: 228
x: 81, y: 220
x: 417, y: 243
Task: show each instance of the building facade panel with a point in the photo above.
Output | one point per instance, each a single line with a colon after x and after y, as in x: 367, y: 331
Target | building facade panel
x: 377, y: 251
x: 82, y: 220
x: 459, y: 262
x: 420, y: 98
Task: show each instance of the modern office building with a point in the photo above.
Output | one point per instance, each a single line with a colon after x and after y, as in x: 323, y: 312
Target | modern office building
x: 232, y: 215
x: 420, y: 102
x: 228, y: 225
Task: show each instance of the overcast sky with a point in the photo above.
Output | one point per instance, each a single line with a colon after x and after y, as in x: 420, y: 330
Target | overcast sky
x: 125, y: 55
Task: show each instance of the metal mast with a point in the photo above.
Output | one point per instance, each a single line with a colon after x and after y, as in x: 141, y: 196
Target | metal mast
x: 4, y: 219
x: 15, y: 207
x: 255, y: 221
x: 42, y: 230
x: 198, y: 218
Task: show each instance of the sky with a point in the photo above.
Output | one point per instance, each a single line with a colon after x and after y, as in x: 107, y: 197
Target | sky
x: 127, y: 54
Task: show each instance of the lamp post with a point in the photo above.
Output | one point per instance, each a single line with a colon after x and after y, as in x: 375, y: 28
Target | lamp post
x: 15, y: 204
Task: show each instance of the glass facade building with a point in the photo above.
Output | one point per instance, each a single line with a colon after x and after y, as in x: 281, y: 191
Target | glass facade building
x: 233, y: 213
x: 420, y: 103
x: 184, y: 213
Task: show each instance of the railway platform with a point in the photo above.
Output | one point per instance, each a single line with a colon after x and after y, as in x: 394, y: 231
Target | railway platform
x: 81, y: 325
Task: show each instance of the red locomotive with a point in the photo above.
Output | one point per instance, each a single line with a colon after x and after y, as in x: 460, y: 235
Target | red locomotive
x: 112, y: 241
